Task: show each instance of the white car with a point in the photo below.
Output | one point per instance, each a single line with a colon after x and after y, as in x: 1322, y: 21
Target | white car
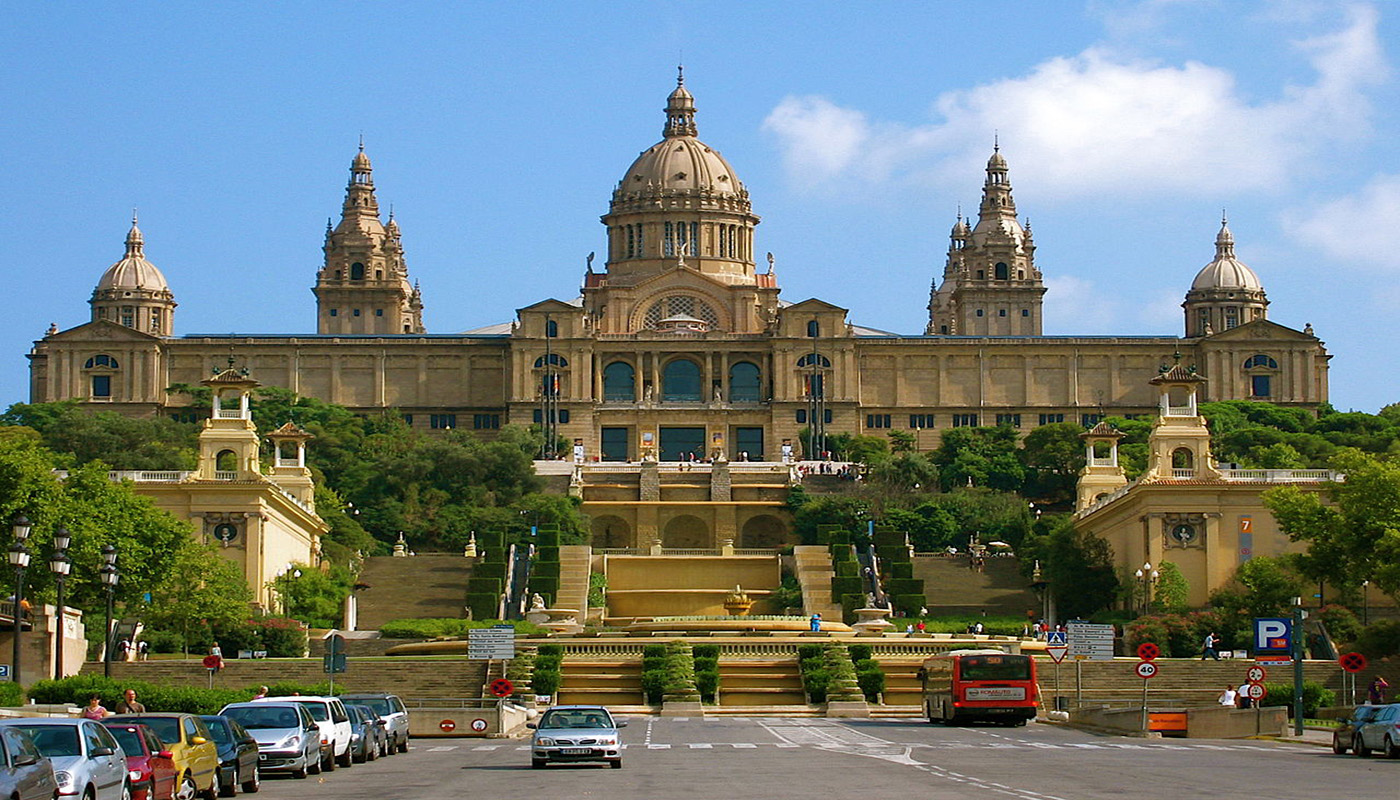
x: 334, y: 722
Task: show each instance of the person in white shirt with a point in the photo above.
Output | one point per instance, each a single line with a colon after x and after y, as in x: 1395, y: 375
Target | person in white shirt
x: 1228, y: 697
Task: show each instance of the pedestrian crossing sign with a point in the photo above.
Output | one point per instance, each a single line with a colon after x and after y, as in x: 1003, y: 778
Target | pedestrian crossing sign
x: 1054, y: 638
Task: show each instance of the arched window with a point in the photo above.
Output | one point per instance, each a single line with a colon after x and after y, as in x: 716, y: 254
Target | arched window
x: 357, y: 271
x: 814, y: 329
x: 1183, y: 458
x: 101, y: 360
x: 814, y: 358
x: 553, y: 358
x: 1002, y: 271
x: 1260, y: 360
x: 745, y: 383
x: 619, y: 382
x: 680, y: 381
x: 551, y: 329
x: 226, y: 461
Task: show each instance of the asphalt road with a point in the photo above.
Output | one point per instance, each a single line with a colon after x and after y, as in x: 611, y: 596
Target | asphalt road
x: 736, y: 758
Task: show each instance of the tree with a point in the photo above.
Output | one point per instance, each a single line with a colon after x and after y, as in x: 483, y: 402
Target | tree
x: 1078, y: 567
x: 1173, y: 591
x: 984, y: 457
x: 201, y: 590
x: 312, y: 595
x: 1358, y: 537
x: 1055, y: 455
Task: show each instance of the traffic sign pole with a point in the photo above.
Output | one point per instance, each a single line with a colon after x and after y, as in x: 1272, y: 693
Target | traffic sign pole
x: 1298, y: 671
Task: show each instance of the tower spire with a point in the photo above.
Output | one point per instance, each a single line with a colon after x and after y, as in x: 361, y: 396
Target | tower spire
x: 680, y: 109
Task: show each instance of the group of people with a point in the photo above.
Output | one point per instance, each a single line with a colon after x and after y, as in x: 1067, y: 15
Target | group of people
x: 844, y: 471
x: 127, y: 649
x: 127, y: 705
x: 1233, y: 699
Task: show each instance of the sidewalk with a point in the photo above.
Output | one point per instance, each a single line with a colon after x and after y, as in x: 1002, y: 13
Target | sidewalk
x: 1317, y: 737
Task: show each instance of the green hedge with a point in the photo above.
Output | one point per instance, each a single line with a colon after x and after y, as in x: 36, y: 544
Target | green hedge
x: 843, y: 586
x: 849, y: 604
x: 841, y: 552
x: 547, y: 536
x: 494, y: 544
x: 546, y: 554
x: 847, y: 569
x: 901, y: 570
x: 439, y: 627
x: 77, y: 689
x: 490, y: 569
x: 897, y: 586
x: 833, y: 535
x: 484, y: 605
x: 890, y: 544
x: 484, y: 585
x: 547, y: 587
x: 859, y: 652
x: 909, y: 604
x: 547, y: 674
x: 1314, y: 696
x: 545, y: 568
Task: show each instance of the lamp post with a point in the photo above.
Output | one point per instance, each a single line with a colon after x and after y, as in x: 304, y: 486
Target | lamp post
x: 19, y: 559
x: 1148, y: 576
x: 1365, y: 608
x: 109, y: 583
x: 60, y: 564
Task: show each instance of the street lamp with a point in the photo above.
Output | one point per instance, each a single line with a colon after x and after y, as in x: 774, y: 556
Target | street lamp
x: 19, y: 559
x: 109, y: 583
x: 1148, y: 576
x: 60, y: 564
x: 1365, y: 609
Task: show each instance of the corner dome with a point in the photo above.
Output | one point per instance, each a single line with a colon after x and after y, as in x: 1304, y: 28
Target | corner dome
x: 1226, y: 271
x: 133, y: 271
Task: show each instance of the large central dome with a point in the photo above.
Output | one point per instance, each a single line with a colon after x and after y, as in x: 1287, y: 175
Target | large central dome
x: 680, y: 162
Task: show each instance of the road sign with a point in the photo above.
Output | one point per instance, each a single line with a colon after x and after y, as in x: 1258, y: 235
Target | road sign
x: 1146, y: 669
x: 1256, y: 674
x: 1273, y: 636
x: 501, y: 688
x: 212, y: 661
x: 1056, y: 638
x: 1057, y: 653
x: 4, y: 672
x: 1091, y: 642
x: 1255, y: 691
x: 333, y: 663
x: 491, y: 643
x: 447, y: 726
x: 478, y: 725
x: 1148, y: 651
x: 1351, y: 662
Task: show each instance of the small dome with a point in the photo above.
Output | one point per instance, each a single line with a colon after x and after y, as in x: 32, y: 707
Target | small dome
x: 1226, y: 271
x: 133, y: 271
x: 997, y: 161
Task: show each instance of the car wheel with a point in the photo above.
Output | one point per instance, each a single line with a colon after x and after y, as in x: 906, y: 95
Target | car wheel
x: 403, y: 745
x: 328, y: 763
x: 537, y: 763
x: 150, y: 790
x: 1359, y: 748
x: 1391, y: 749
x: 230, y: 789
x: 187, y: 790
x: 1337, y: 747
x: 617, y: 764
x: 90, y: 794
x: 371, y: 753
x: 252, y: 785
x: 301, y: 772
x: 126, y: 791
x: 314, y: 767
x: 346, y: 759
x: 212, y: 793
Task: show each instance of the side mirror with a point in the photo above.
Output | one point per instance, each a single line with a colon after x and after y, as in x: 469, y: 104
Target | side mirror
x: 165, y: 754
x: 198, y: 740
x: 621, y: 723
x: 102, y: 751
x: 531, y: 725
x: 25, y: 759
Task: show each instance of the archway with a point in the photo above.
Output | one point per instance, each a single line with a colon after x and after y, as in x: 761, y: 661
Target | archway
x: 226, y: 461
x: 611, y: 531
x: 764, y: 530
x: 1183, y: 458
x: 686, y: 531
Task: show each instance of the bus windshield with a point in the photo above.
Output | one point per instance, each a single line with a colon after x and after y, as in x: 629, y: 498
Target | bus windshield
x: 995, y: 668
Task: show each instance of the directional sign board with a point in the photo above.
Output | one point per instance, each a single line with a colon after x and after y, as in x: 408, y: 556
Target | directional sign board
x: 491, y: 643
x: 1090, y: 642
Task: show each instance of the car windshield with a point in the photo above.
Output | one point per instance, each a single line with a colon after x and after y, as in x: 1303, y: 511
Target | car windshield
x: 167, y: 728
x: 54, y: 741
x: 996, y: 668
x: 263, y: 717
x: 380, y: 705
x: 318, y: 711
x: 576, y: 718
x: 129, y: 739
x: 219, y: 731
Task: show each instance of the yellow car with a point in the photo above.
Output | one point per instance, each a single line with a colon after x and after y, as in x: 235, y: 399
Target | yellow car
x: 192, y: 749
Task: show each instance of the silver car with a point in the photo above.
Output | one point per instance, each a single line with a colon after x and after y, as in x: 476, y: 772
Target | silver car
x: 288, y: 738
x: 87, y: 761
x: 25, y: 773
x: 573, y: 734
x: 390, y: 709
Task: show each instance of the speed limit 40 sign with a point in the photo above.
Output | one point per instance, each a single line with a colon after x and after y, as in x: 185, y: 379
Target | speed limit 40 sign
x: 1146, y: 669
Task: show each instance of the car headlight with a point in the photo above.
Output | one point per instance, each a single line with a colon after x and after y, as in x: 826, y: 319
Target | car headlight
x: 290, y: 743
x: 64, y: 779
x: 544, y: 742
x: 134, y: 774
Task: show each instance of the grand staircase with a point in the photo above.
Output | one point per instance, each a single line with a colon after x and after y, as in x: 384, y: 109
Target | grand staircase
x: 953, y: 589
x: 416, y: 587
x: 615, y: 682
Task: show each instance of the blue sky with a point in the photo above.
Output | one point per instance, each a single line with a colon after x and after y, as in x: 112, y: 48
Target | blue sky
x: 498, y: 131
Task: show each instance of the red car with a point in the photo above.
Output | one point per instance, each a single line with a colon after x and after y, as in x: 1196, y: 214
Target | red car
x: 148, y: 763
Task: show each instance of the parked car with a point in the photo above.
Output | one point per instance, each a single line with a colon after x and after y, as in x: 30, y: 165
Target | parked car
x: 1381, y: 732
x: 87, y: 761
x: 27, y: 773
x: 367, y: 739
x: 289, y: 740
x: 1347, y: 727
x: 391, y: 710
x: 238, y: 755
x: 191, y: 748
x: 330, y: 715
x: 149, y: 767
x: 570, y: 734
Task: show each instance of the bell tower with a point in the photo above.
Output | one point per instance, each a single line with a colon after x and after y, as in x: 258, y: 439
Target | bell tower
x: 228, y: 444
x: 1102, y: 474
x: 363, y: 286
x: 1179, y: 445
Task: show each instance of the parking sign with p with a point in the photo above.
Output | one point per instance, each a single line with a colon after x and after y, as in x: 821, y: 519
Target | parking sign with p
x: 1273, y: 636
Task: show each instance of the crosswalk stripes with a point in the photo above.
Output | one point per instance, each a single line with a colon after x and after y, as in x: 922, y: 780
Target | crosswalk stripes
x: 951, y: 745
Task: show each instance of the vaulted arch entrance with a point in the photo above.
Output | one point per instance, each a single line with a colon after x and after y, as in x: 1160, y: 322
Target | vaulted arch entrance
x: 686, y: 531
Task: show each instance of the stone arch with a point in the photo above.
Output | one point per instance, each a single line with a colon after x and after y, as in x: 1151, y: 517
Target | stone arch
x: 686, y: 531
x: 611, y: 530
x: 1183, y: 458
x: 226, y: 461
x: 764, y: 530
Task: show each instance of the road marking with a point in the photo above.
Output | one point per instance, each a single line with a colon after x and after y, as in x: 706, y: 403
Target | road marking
x: 658, y: 747
x: 442, y: 749
x: 486, y: 748
x: 743, y: 745
x: 701, y: 746
x: 650, y: 723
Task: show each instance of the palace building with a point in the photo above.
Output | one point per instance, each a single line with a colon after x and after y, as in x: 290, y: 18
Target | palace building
x: 681, y: 344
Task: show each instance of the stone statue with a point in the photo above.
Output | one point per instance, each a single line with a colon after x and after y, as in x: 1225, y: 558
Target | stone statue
x: 536, y: 602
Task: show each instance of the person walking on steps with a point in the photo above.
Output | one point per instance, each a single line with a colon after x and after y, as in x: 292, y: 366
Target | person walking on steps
x: 1208, y: 647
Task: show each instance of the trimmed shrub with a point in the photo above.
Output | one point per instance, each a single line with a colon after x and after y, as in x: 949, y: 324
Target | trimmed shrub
x: 707, y: 683
x: 546, y: 587
x: 283, y: 637
x: 476, y: 585
x: 909, y: 604
x: 837, y: 662
x: 680, y: 672
x: 705, y: 651
x: 898, y: 586
x: 847, y: 569
x: 484, y: 605
x: 543, y: 554
x: 859, y: 652
x: 902, y: 570
x: 490, y: 569
x: 872, y: 683
x: 849, y: 604
x: 439, y: 627
x: 11, y: 694
x: 842, y: 586
x: 654, y: 685
x: 1314, y: 696
x: 493, y: 542
x: 547, y: 536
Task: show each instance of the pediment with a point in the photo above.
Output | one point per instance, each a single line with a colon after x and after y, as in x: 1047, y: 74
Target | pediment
x: 814, y: 305
x: 101, y: 331
x: 550, y: 306
x: 683, y: 278
x: 1260, y: 329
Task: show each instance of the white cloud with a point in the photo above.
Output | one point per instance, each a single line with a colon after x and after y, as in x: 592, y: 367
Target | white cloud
x: 1077, y: 306
x: 1356, y: 228
x: 1097, y: 122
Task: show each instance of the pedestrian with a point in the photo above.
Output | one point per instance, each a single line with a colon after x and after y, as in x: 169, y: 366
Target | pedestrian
x: 1375, y: 693
x: 921, y: 627
x: 94, y: 709
x: 143, y: 650
x: 1228, y: 697
x: 1208, y: 647
x: 129, y: 704
x: 816, y: 622
x: 979, y: 628
x: 262, y: 692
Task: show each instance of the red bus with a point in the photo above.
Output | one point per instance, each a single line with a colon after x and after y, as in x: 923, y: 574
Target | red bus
x: 986, y: 685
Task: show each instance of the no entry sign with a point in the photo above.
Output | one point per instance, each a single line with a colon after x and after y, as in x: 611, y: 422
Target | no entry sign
x: 447, y: 726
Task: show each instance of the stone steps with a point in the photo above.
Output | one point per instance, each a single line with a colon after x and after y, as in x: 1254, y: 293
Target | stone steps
x: 414, y: 587
x: 951, y: 588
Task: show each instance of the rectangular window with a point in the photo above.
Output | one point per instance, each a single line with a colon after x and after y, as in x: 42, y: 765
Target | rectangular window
x: 801, y: 416
x: 1014, y: 420
x: 614, y: 444
x: 335, y: 312
x: 561, y: 416
x: 379, y: 312
x: 102, y: 386
x: 1025, y: 312
x: 877, y: 420
x: 1090, y: 420
x: 357, y: 312
x: 748, y: 442
x: 1259, y: 385
x: 827, y: 416
x: 670, y: 239
x: 408, y: 420
x: 964, y: 420
x: 129, y: 316
x: 631, y: 242
x: 1046, y: 419
x: 1001, y: 312
x: 920, y: 420
x: 979, y: 312
x: 442, y: 421
x: 486, y: 422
